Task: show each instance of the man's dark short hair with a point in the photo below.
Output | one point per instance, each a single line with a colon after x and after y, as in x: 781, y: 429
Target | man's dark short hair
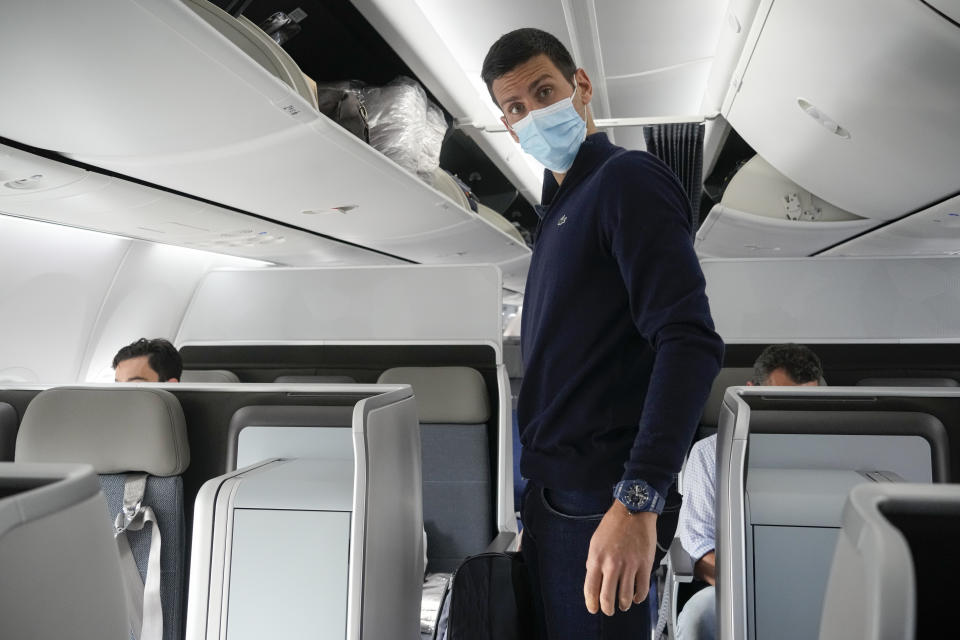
x: 800, y: 363
x: 516, y: 47
x: 162, y: 357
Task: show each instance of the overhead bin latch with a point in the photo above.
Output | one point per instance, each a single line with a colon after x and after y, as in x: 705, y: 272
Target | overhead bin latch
x: 796, y: 210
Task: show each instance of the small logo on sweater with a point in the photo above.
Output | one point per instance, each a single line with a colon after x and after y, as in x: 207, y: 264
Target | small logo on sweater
x: 562, y: 220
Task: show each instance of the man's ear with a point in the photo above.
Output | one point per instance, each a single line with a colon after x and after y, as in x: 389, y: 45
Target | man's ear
x: 503, y: 119
x: 584, y: 85
x: 172, y: 380
x: 749, y: 383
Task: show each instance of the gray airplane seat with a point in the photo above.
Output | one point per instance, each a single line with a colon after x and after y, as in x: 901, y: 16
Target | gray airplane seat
x: 907, y: 382
x: 136, y: 440
x: 59, y: 562
x: 727, y: 377
x: 208, y: 375
x: 324, y: 539
x: 781, y: 488
x: 317, y: 379
x: 8, y: 431
x: 894, y: 571
x: 457, y: 487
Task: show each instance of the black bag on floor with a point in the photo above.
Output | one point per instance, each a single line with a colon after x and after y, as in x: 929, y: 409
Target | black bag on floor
x: 490, y: 599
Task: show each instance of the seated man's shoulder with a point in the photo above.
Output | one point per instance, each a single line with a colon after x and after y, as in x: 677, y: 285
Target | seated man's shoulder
x: 705, y: 447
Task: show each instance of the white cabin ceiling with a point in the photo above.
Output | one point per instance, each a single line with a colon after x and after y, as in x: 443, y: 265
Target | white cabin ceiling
x: 648, y: 58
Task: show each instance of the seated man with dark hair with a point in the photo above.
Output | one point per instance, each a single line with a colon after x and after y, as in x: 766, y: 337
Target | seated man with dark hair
x: 779, y: 365
x: 146, y: 360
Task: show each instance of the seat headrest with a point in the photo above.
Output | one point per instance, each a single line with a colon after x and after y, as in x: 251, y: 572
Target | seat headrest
x: 907, y: 382
x: 445, y: 395
x: 208, y: 375
x: 317, y: 379
x: 728, y: 377
x: 116, y: 430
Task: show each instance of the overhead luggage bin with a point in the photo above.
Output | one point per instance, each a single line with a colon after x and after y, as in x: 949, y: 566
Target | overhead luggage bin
x: 327, y: 547
x: 183, y: 107
x: 854, y: 94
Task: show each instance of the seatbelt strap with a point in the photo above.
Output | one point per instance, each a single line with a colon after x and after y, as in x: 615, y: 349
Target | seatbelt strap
x: 143, y: 598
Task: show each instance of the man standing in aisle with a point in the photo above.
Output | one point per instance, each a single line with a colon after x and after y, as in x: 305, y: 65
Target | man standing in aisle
x: 618, y: 345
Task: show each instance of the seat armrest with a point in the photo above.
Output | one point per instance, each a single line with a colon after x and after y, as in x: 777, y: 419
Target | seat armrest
x: 505, y: 541
x: 680, y: 562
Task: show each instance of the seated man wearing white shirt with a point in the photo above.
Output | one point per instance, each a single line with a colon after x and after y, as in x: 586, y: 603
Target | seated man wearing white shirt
x: 779, y: 365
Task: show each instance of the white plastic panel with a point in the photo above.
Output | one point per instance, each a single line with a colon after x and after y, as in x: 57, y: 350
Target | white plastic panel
x: 317, y: 443
x: 162, y: 65
x: 887, y: 71
x: 35, y: 187
x: 934, y: 231
x: 302, y: 484
x: 366, y: 304
x: 949, y: 8
x: 674, y: 91
x: 790, y: 609
x: 54, y: 280
x: 907, y: 456
x: 620, y: 22
x: 148, y: 296
x: 728, y: 233
x: 835, y: 299
x: 288, y: 574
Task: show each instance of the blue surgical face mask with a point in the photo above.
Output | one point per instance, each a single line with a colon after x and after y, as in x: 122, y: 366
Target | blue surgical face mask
x: 553, y: 135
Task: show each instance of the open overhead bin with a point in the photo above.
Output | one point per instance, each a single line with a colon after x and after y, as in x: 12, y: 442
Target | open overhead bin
x: 169, y: 99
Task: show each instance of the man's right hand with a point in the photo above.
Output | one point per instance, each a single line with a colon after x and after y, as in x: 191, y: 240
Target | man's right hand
x: 619, y: 560
x: 706, y: 568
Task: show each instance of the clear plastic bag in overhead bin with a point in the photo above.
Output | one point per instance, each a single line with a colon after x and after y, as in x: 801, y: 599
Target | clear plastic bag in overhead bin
x: 405, y: 126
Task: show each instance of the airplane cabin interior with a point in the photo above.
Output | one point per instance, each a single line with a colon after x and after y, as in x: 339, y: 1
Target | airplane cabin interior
x: 318, y: 204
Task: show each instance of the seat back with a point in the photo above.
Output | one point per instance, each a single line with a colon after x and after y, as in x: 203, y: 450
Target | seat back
x: 317, y: 379
x: 782, y: 475
x: 118, y: 431
x: 727, y: 377
x: 907, y: 382
x: 8, y: 431
x: 894, y: 570
x: 59, y: 562
x: 458, y: 504
x: 208, y: 375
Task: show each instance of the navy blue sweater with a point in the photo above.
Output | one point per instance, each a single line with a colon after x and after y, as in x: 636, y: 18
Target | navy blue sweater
x: 619, y: 348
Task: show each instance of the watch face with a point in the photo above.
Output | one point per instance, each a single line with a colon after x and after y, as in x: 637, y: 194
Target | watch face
x: 637, y: 495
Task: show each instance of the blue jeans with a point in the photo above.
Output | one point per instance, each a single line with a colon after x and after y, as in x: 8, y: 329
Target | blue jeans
x: 557, y: 529
x: 698, y: 618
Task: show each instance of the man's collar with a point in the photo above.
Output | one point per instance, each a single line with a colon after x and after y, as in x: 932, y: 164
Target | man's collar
x: 596, y: 148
